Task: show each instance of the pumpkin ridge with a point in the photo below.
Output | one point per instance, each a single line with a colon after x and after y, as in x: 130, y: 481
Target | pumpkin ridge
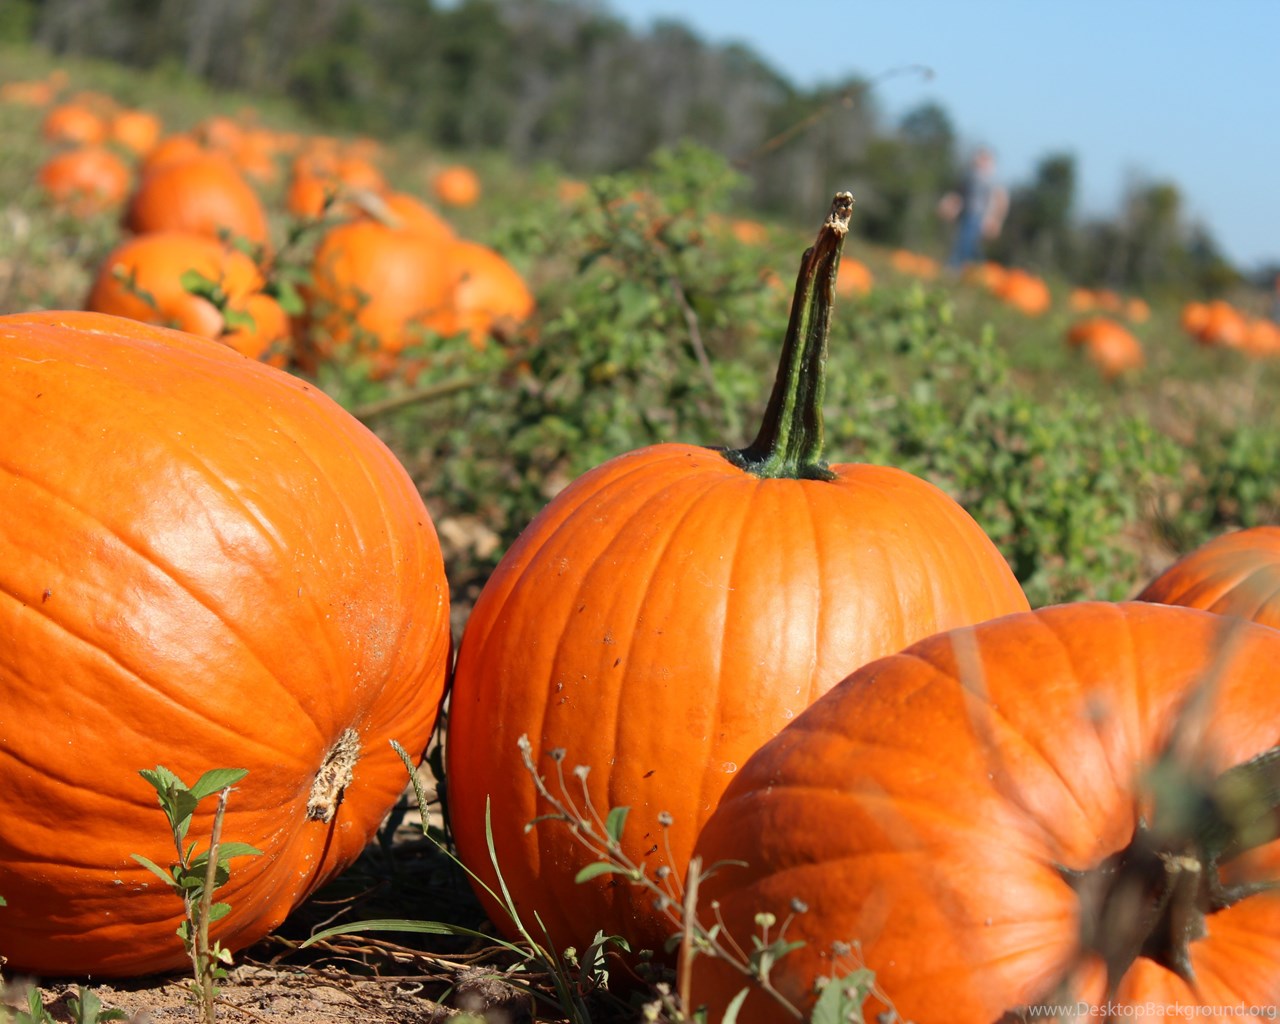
x: 716, y: 702
x: 150, y: 560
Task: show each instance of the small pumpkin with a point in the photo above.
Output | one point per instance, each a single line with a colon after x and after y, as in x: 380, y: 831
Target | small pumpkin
x: 1025, y: 292
x: 1235, y: 574
x: 85, y: 180
x: 671, y: 610
x: 456, y: 185
x: 489, y: 295
x: 144, y: 278
x: 75, y: 123
x: 994, y: 820
x: 375, y: 284
x: 207, y: 563
x: 137, y: 130
x: 204, y: 194
x: 1109, y: 346
x: 855, y: 278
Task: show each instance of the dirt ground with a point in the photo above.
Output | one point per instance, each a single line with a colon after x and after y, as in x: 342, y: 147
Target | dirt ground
x: 377, y: 978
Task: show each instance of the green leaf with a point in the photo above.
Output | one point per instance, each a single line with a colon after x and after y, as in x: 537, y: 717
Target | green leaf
x: 87, y: 1009
x: 392, y: 925
x: 615, y: 823
x: 841, y: 999
x: 217, y: 911
x: 162, y: 873
x: 597, y: 869
x: 197, y: 284
x: 228, y: 850
x: 235, y: 319
x: 735, y: 1004
x: 217, y: 779
x: 289, y: 298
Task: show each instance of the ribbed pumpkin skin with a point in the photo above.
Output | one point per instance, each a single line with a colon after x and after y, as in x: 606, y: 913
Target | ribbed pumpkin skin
x: 1235, y: 574
x: 921, y: 807
x: 204, y: 563
x: 664, y: 616
x: 205, y: 194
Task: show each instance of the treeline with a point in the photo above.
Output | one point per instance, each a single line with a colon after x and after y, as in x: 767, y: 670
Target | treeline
x: 567, y: 82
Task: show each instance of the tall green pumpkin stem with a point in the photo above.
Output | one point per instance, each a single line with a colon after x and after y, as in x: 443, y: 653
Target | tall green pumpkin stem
x: 789, y: 443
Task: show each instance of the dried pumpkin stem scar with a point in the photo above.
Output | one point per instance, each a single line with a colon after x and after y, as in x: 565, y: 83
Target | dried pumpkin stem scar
x: 334, y: 776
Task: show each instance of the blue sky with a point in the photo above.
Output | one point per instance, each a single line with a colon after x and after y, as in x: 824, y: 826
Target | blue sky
x: 1149, y: 89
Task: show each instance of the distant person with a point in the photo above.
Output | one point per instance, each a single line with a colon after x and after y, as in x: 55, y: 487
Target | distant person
x: 977, y: 209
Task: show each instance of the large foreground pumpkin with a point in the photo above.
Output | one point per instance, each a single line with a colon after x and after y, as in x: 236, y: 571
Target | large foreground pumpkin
x: 673, y: 609
x: 204, y: 563
x: 998, y: 818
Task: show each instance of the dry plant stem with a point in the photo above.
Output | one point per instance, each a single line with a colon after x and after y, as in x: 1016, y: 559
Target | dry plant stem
x: 205, y: 964
x: 677, y: 902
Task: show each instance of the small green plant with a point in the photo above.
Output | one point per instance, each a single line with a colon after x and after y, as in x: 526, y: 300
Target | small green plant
x: 195, y: 876
x: 840, y: 999
x: 85, y: 1008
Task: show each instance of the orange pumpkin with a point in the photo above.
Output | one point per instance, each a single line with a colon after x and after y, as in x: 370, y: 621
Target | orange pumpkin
x: 904, y: 261
x: 456, y: 185
x: 1223, y: 326
x: 1235, y: 574
x: 85, y: 180
x: 855, y: 278
x: 407, y: 211
x: 377, y: 284
x: 979, y: 815
x: 489, y: 295
x: 172, y: 149
x: 204, y: 194
x: 137, y: 130
x: 1109, y: 346
x: 142, y: 279
x: 671, y: 610
x: 1025, y: 292
x: 207, y: 563
x: 74, y: 123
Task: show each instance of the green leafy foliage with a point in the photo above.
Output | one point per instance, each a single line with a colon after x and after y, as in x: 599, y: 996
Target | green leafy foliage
x: 1057, y: 492
x: 196, y: 875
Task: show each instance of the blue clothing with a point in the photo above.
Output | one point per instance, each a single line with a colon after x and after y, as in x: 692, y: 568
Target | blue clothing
x: 976, y: 196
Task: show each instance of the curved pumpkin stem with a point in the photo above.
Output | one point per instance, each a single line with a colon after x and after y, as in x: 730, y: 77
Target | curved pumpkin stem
x: 1151, y: 898
x: 789, y: 443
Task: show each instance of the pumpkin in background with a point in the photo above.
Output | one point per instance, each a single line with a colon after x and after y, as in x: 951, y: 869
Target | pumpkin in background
x: 855, y: 278
x: 142, y: 278
x: 1222, y: 326
x: 405, y: 210
x: 1025, y: 292
x: 378, y: 285
x: 670, y: 611
x: 1137, y: 310
x: 204, y: 194
x: 970, y: 814
x: 456, y: 185
x: 1109, y: 346
x: 1262, y: 338
x: 207, y: 563
x: 1235, y: 574
x: 489, y: 295
x: 85, y: 180
x: 138, y: 131
x: 172, y: 149
x: 904, y: 261
x: 74, y: 123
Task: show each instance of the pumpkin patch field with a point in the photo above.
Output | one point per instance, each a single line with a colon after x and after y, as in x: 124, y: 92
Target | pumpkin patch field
x: 439, y: 589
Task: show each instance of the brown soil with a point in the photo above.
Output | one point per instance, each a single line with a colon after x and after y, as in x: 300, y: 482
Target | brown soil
x: 374, y: 978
